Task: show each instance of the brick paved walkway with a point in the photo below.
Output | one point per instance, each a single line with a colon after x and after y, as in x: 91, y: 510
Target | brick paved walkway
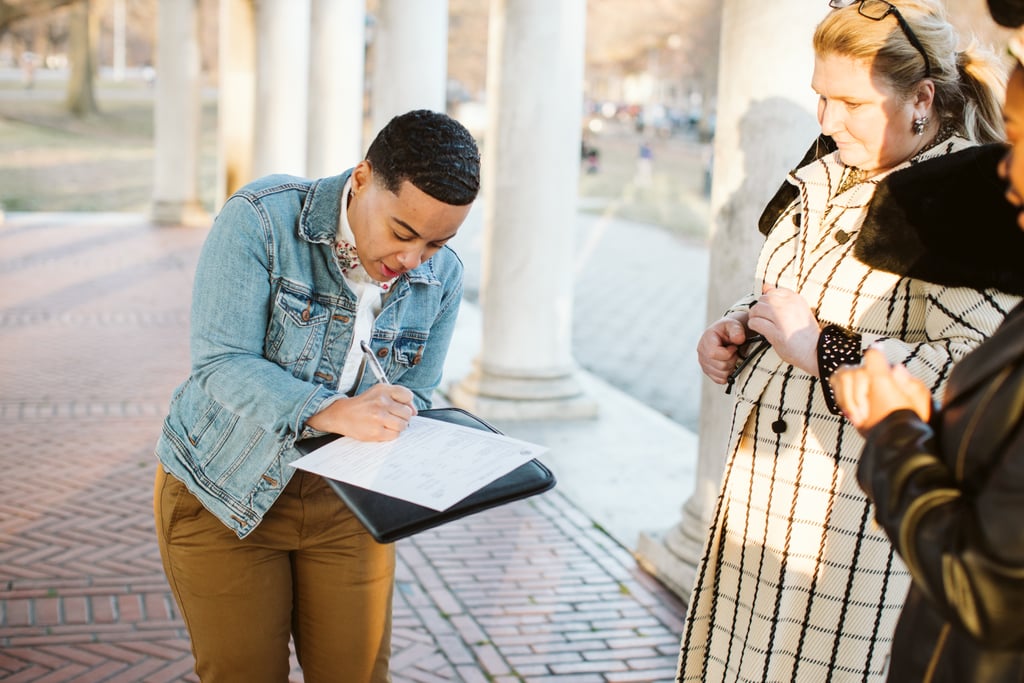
x: 93, y: 320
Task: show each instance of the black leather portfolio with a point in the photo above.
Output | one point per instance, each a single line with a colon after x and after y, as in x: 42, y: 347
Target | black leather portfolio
x: 389, y: 519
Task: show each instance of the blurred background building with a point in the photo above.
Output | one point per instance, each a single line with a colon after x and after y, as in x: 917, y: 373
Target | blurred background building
x: 656, y: 58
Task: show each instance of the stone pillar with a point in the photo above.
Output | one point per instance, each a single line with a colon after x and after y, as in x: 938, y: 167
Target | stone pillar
x: 120, y: 20
x: 176, y: 117
x: 766, y: 121
x: 282, y: 86
x: 410, y: 58
x: 336, y: 79
x: 530, y: 174
x: 236, y: 105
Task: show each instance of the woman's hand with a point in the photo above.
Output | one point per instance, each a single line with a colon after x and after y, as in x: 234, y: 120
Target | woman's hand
x: 380, y: 413
x: 785, y: 319
x: 717, y: 348
x: 868, y: 392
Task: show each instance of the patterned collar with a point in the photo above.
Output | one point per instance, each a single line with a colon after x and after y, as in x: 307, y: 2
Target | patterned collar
x: 828, y: 173
x: 345, y: 247
x: 852, y: 175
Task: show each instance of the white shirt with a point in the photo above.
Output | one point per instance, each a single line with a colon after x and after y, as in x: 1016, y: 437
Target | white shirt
x: 369, y: 294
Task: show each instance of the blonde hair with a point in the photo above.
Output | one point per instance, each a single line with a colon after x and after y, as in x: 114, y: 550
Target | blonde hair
x: 969, y: 84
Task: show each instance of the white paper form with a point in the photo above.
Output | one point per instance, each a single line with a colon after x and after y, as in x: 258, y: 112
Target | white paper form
x: 432, y: 463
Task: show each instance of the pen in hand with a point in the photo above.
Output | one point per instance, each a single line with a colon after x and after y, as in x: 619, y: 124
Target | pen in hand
x: 371, y: 360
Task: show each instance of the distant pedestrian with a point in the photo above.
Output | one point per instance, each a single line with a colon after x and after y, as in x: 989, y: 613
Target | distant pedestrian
x: 293, y: 275
x: 593, y: 160
x: 707, y: 158
x: 644, y: 164
x: 28, y: 69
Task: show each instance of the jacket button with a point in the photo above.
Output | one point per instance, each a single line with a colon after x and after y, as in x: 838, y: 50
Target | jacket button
x: 779, y: 426
x: 382, y: 353
x: 798, y: 219
x: 842, y: 236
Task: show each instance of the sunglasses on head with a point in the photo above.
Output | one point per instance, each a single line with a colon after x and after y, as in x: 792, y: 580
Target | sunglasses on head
x: 877, y: 10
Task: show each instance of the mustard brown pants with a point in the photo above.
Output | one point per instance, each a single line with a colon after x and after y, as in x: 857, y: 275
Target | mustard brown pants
x: 309, y: 570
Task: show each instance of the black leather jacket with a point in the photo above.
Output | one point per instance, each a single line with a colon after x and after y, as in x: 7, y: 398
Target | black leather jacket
x: 950, y: 495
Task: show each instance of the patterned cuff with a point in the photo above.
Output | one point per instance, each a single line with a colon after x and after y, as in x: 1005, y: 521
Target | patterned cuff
x: 836, y: 346
x: 742, y: 306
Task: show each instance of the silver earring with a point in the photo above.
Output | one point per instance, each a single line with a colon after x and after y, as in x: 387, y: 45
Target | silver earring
x: 919, y: 124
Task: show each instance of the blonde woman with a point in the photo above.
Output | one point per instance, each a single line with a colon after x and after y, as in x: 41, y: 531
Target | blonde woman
x: 797, y: 583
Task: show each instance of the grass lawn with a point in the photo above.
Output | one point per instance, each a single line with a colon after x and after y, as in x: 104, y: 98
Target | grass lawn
x: 52, y: 161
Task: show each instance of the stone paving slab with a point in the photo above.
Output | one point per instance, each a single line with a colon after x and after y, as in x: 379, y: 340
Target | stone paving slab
x: 93, y: 338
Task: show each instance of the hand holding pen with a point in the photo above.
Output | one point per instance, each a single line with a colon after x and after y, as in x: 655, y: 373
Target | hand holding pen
x: 402, y: 396
x: 380, y: 413
x: 371, y: 360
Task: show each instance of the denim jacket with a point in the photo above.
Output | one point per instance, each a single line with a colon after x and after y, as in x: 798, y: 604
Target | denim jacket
x: 271, y: 325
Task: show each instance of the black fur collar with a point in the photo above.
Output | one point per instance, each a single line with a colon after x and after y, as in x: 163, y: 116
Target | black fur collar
x: 945, y: 220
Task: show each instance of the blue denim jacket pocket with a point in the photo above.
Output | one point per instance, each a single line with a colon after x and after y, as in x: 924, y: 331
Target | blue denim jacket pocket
x: 220, y: 443
x: 408, y: 348
x: 297, y: 326
x: 204, y: 420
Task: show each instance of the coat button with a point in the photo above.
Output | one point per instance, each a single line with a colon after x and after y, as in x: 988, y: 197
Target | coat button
x: 798, y: 219
x: 779, y: 426
x: 842, y: 236
x: 382, y: 353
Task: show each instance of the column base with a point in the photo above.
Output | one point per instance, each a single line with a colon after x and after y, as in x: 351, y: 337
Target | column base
x: 187, y: 214
x: 672, y: 557
x: 657, y: 559
x: 520, y: 398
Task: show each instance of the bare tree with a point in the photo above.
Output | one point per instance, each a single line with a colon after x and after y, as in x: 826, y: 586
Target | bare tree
x: 15, y: 10
x: 81, y: 98
x: 83, y: 31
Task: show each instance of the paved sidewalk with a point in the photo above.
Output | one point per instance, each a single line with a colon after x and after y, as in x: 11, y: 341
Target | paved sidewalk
x: 93, y: 320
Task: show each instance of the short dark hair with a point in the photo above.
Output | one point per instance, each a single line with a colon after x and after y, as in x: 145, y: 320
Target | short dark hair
x: 432, y: 151
x: 1008, y: 13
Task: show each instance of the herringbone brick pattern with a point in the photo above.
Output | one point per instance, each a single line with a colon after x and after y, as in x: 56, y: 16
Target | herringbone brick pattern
x: 93, y: 338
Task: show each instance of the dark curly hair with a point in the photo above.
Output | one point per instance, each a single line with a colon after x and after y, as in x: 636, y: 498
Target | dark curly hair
x: 432, y: 151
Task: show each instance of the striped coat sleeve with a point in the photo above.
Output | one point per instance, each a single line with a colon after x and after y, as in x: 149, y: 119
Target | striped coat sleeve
x: 956, y: 320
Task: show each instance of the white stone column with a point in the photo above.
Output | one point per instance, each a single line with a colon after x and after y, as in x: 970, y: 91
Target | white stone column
x: 236, y: 104
x: 766, y: 121
x: 410, y: 58
x: 337, y: 50
x: 120, y: 20
x: 530, y: 175
x: 176, y: 117
x: 282, y: 86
